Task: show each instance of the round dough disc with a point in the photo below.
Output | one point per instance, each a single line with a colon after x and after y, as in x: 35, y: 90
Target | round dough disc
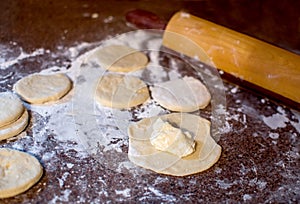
x: 120, y: 91
x: 143, y: 154
x: 18, y: 172
x: 39, y: 88
x: 14, y: 128
x: 120, y: 58
x: 184, y: 95
x: 11, y: 108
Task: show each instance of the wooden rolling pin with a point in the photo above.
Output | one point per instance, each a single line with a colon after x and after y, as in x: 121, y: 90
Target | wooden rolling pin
x: 247, y: 58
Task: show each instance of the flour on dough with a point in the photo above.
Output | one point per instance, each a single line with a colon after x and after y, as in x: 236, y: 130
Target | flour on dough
x: 39, y: 88
x: 143, y: 154
x: 18, y: 172
x: 14, y: 128
x: 184, y: 95
x: 11, y: 108
x: 120, y: 58
x: 121, y: 91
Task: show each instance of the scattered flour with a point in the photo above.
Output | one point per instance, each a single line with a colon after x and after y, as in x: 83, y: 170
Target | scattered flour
x: 64, y: 197
x: 275, y: 121
x: 84, y: 126
x: 125, y: 193
x: 23, y: 55
x: 247, y: 197
x: 296, y: 124
x: 224, y: 184
x: 274, y: 135
x: 69, y: 165
x: 169, y: 198
x: 149, y: 109
x: 108, y: 19
x: 234, y: 90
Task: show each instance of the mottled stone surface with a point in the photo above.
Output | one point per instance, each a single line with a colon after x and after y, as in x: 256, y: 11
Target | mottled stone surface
x: 260, y: 158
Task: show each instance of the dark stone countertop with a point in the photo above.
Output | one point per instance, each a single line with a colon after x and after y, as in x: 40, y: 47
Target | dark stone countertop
x: 260, y: 158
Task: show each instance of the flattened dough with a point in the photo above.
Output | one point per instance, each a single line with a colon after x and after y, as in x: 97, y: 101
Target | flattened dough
x: 143, y: 154
x: 14, y: 128
x: 184, y: 95
x: 39, y: 88
x: 120, y: 91
x: 120, y: 58
x: 18, y: 172
x: 11, y: 108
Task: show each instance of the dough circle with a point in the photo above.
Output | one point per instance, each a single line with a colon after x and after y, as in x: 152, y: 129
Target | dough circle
x: 121, y: 91
x: 143, y: 154
x: 18, y: 172
x: 120, y: 58
x: 11, y: 108
x: 38, y: 88
x: 14, y: 128
x: 184, y: 95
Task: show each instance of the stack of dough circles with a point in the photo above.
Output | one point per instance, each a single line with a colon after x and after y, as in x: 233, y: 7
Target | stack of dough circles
x: 120, y: 58
x: 183, y: 95
x: 18, y: 172
x: 121, y: 91
x: 38, y: 88
x: 13, y: 116
x: 143, y: 154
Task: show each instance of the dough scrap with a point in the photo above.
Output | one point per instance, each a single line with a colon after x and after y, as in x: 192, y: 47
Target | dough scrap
x: 184, y: 95
x: 38, y: 88
x: 14, y: 128
x: 121, y: 91
x: 18, y: 172
x: 11, y: 108
x: 143, y: 154
x: 120, y: 58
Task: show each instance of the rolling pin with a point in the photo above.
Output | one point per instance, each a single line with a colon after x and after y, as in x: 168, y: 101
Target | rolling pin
x: 249, y: 59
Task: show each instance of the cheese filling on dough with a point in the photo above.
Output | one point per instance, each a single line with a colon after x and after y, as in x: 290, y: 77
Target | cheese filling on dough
x: 167, y: 138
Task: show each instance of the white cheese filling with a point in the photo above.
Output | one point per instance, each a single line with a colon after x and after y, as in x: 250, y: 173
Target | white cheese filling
x: 167, y: 138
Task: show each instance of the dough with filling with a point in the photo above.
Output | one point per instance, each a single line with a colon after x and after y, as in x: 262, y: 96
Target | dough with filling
x: 11, y: 108
x: 184, y: 95
x: 142, y: 153
x: 14, y: 128
x: 120, y: 58
x: 38, y: 88
x: 121, y: 91
x: 18, y: 172
x: 167, y: 138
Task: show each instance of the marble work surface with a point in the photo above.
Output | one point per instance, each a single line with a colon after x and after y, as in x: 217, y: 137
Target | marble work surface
x: 260, y: 137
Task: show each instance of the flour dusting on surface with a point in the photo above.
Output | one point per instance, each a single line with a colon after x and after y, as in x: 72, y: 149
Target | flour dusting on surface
x: 125, y: 192
x: 23, y: 55
x: 88, y: 136
x: 276, y: 121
